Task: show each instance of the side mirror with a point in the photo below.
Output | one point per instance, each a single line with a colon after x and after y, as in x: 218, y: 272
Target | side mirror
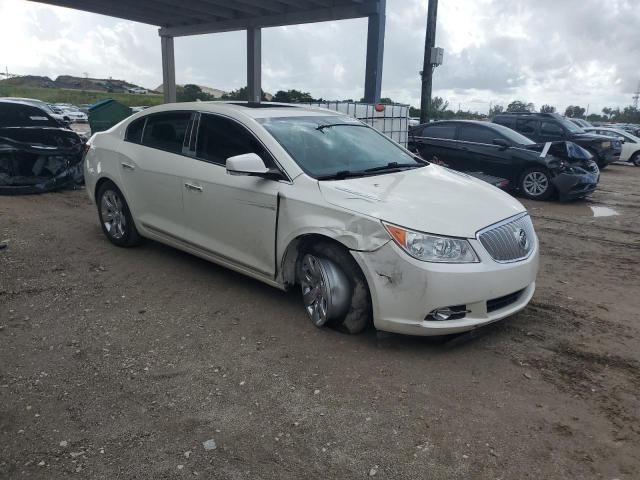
x: 502, y: 143
x: 621, y: 139
x: 246, y: 164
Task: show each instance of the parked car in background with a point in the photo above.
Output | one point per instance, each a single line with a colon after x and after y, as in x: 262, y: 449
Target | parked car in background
x: 630, y: 143
x: 36, y: 153
x: 580, y: 122
x: 41, y: 105
x: 551, y: 127
x: 534, y: 170
x: 299, y: 196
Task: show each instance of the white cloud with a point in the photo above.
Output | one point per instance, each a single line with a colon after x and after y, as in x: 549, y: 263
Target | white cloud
x: 547, y: 51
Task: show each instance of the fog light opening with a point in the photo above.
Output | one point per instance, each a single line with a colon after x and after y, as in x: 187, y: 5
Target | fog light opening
x: 455, y: 312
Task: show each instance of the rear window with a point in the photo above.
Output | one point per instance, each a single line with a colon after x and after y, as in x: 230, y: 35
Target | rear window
x: 19, y: 115
x: 446, y: 131
x: 166, y: 131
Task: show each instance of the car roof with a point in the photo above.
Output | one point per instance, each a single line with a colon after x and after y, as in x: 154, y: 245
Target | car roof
x: 247, y: 109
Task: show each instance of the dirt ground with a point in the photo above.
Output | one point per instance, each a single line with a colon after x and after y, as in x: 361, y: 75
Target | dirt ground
x: 119, y: 364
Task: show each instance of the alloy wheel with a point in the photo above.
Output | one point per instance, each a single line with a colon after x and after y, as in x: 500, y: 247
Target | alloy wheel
x: 315, y: 291
x: 535, y: 183
x: 112, y: 213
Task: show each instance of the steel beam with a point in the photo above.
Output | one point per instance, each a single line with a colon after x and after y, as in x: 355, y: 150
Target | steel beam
x: 375, y: 53
x: 168, y: 69
x: 254, y: 64
x: 354, y: 10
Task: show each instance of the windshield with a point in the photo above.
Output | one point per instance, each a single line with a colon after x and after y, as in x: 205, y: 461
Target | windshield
x: 337, y: 146
x: 512, y: 135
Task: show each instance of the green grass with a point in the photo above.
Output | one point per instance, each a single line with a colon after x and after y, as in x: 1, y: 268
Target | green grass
x: 77, y: 97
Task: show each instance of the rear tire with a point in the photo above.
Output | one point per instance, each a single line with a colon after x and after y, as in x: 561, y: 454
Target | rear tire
x: 115, y: 217
x: 535, y: 184
x: 334, y: 288
x: 635, y: 159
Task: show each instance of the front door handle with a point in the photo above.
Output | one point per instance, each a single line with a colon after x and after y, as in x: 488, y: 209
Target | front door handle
x: 191, y: 186
x: 127, y: 166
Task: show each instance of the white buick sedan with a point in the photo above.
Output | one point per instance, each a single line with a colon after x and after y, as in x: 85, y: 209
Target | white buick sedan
x: 298, y: 196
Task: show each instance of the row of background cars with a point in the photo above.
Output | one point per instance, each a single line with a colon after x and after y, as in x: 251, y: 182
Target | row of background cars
x: 538, y: 155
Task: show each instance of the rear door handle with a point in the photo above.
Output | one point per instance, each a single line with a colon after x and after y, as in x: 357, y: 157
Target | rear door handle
x: 192, y: 187
x: 128, y: 166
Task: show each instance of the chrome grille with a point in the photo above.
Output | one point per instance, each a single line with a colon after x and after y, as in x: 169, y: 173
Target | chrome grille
x: 510, y: 240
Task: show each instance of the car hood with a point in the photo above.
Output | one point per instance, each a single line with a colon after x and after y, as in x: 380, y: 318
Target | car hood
x: 431, y: 199
x: 590, y: 137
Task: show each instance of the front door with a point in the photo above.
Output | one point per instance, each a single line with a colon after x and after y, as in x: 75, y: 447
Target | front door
x: 232, y: 217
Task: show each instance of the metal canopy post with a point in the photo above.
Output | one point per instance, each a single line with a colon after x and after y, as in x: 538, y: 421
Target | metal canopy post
x: 168, y: 69
x: 375, y: 52
x: 254, y: 64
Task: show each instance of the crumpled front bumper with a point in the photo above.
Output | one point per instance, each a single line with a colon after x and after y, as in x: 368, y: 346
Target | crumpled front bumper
x: 571, y: 186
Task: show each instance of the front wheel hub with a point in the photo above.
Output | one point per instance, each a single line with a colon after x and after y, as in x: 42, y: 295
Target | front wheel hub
x: 326, y: 291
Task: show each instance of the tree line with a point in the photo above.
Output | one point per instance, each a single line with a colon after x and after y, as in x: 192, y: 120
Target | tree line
x: 439, y: 106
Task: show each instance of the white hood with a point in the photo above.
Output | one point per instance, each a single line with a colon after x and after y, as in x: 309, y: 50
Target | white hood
x: 431, y: 199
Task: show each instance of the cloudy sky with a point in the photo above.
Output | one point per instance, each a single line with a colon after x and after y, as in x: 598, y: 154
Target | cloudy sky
x: 559, y: 52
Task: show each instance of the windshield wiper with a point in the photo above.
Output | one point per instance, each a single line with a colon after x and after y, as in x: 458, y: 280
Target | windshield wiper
x: 329, y: 125
x: 340, y: 175
x: 393, y: 166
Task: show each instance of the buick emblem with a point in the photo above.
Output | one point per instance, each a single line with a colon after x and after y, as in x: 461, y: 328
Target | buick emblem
x: 522, y: 239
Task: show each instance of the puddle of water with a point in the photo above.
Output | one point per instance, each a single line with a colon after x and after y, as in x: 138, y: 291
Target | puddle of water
x: 603, y: 211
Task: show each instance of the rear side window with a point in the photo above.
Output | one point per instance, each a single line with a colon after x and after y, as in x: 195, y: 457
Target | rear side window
x: 477, y: 134
x: 220, y: 138
x: 526, y: 125
x: 550, y: 128
x: 19, y: 115
x: 439, y: 131
x: 166, y: 131
x: 134, y: 130
x: 507, y: 121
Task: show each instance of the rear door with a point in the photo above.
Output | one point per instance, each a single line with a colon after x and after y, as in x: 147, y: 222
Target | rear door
x: 151, y: 167
x: 232, y: 217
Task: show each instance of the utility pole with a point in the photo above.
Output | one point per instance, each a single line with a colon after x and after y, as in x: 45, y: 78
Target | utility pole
x: 428, y: 65
x: 636, y: 97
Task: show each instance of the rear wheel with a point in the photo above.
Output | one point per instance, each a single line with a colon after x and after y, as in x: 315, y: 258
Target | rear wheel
x: 334, y: 290
x: 115, y: 217
x: 635, y: 159
x: 535, y: 183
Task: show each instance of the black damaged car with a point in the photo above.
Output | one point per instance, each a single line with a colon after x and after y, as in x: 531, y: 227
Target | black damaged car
x: 536, y: 170
x: 552, y: 127
x: 37, y: 154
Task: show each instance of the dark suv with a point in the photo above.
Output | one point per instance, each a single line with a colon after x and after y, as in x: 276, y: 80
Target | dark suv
x: 536, y: 170
x: 551, y: 127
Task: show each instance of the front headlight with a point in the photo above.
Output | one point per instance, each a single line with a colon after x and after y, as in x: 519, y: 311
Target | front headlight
x: 432, y: 248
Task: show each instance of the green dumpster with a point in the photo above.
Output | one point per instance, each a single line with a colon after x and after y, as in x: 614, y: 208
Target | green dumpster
x: 106, y: 113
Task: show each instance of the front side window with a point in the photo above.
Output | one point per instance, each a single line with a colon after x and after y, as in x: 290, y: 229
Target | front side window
x: 166, y: 131
x: 337, y: 146
x: 220, y: 138
x: 477, y: 134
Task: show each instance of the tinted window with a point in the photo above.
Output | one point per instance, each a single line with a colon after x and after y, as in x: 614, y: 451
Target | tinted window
x: 475, y: 133
x: 220, y: 138
x: 439, y: 131
x: 551, y: 128
x: 512, y: 135
x: 19, y: 115
x: 166, y: 131
x: 526, y: 125
x: 134, y: 130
